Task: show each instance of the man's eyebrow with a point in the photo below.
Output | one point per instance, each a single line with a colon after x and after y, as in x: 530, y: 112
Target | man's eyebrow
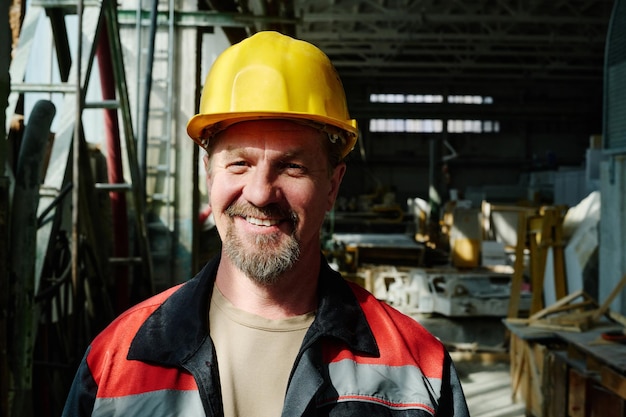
x: 298, y: 153
x: 235, y: 150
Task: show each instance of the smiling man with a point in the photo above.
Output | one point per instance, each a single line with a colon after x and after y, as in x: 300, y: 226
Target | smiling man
x: 271, y: 185
x: 267, y: 328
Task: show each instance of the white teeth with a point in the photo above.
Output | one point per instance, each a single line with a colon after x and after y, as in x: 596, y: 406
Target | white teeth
x: 261, y: 222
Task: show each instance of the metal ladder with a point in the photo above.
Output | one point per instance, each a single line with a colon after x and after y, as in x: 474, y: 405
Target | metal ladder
x: 68, y: 167
x: 155, y: 77
x: 69, y: 171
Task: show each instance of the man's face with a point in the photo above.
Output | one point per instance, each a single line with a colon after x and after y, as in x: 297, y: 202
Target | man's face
x: 270, y: 187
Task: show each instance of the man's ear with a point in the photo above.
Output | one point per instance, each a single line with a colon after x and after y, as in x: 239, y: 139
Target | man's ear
x: 206, y: 161
x: 335, y: 181
x: 207, y: 175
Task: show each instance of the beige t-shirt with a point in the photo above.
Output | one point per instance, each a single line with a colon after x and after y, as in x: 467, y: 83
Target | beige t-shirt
x: 255, y: 356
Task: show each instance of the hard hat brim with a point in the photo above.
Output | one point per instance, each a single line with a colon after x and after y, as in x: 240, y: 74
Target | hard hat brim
x: 202, y: 127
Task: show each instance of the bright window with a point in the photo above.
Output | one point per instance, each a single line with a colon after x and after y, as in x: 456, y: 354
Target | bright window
x: 432, y: 125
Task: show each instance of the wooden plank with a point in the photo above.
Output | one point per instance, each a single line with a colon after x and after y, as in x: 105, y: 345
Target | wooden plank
x: 555, y: 385
x: 556, y: 306
x: 534, y: 396
x: 604, y: 403
x: 538, y: 229
x: 577, y: 394
x: 591, y: 344
x: 519, y: 327
x: 617, y: 317
x: 518, y: 365
x: 541, y: 324
x: 518, y: 267
x: 581, y: 321
x: 613, y: 380
x: 605, y: 306
x: 560, y: 279
x: 585, y: 305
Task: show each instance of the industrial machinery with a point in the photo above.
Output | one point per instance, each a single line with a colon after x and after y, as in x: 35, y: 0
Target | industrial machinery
x: 446, y: 291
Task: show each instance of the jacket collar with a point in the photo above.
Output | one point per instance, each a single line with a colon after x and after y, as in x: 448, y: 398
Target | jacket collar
x: 175, y: 330
x: 178, y: 328
x: 339, y: 314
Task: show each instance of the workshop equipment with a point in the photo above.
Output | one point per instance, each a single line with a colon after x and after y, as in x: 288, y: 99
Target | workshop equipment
x: 58, y: 225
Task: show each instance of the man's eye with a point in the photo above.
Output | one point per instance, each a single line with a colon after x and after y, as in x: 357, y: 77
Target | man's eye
x: 237, y: 166
x: 293, y: 168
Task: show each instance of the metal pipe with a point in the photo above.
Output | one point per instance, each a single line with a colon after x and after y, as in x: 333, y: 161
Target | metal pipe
x: 143, y: 126
x: 115, y: 172
x: 23, y: 248
x: 76, y: 149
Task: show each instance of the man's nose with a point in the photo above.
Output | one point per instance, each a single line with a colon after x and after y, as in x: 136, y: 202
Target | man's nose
x: 262, y: 187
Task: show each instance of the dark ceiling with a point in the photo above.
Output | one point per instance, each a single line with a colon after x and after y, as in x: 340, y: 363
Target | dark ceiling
x: 542, y: 59
x: 461, y: 40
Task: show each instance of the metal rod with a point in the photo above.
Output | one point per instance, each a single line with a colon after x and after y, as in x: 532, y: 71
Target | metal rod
x: 42, y: 88
x: 76, y: 150
x: 104, y: 104
x: 138, y: 33
x: 113, y: 187
x: 143, y: 126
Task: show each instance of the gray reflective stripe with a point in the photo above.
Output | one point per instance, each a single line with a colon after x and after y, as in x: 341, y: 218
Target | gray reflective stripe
x: 397, y: 387
x: 151, y: 404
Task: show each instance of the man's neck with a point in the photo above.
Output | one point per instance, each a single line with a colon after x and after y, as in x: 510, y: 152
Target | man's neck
x: 294, y: 294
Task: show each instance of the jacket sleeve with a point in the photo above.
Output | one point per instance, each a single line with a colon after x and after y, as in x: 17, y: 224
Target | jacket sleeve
x: 452, y: 402
x: 81, y: 398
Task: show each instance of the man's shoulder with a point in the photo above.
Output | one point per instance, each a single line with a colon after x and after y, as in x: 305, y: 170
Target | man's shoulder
x: 384, y: 318
x: 401, y: 340
x: 124, y: 327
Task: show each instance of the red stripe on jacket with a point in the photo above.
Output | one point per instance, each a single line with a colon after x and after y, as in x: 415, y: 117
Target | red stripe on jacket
x: 114, y: 374
x: 402, y: 341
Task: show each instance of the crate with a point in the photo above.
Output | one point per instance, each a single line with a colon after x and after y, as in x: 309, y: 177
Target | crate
x: 555, y: 385
x: 527, y: 367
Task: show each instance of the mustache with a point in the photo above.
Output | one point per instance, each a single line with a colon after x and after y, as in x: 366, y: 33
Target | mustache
x: 272, y: 211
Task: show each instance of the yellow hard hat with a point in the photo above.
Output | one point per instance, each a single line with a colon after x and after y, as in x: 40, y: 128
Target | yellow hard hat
x: 273, y: 76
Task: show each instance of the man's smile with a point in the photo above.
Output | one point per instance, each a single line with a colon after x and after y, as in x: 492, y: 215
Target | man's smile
x: 267, y: 216
x: 262, y: 222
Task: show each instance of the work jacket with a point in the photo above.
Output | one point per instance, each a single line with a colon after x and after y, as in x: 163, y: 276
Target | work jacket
x: 360, y: 358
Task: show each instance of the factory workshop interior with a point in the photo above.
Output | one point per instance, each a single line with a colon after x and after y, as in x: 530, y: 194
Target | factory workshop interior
x: 485, y: 198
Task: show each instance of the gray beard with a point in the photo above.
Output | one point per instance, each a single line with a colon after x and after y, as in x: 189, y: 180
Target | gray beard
x: 267, y: 261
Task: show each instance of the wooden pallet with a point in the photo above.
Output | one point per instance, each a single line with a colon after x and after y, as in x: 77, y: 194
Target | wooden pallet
x: 575, y: 312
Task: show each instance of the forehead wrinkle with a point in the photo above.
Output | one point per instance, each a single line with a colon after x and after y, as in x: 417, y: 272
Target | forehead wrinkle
x: 266, y: 148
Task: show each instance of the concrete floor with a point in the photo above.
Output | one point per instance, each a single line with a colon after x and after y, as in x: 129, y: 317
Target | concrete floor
x: 487, y: 388
x: 478, y: 347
